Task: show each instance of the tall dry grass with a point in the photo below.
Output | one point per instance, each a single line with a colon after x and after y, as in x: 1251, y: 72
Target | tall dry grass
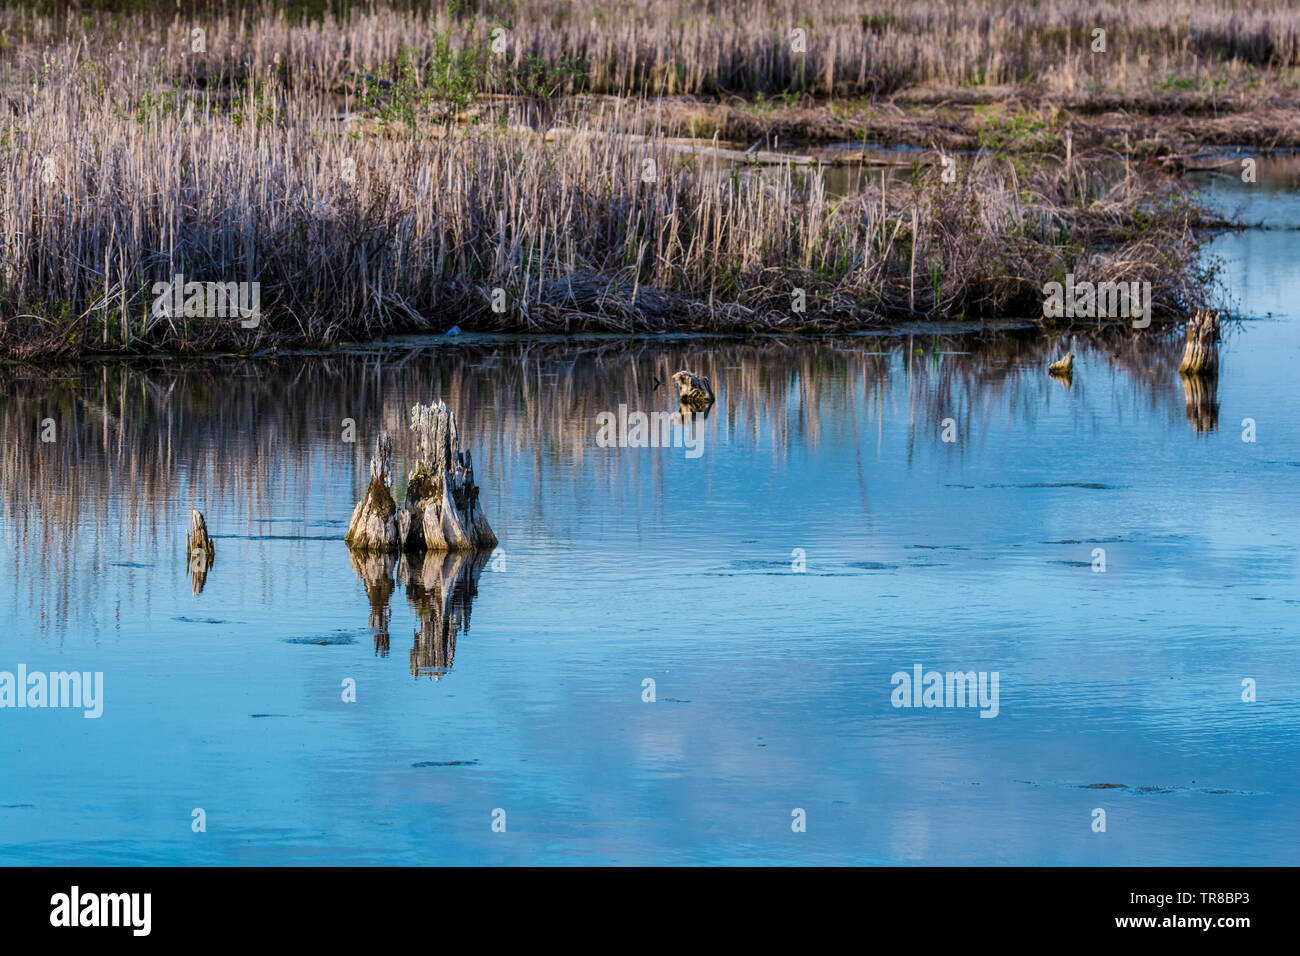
x: 672, y: 47
x: 112, y: 181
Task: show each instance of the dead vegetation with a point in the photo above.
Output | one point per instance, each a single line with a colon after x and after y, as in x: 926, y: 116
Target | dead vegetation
x: 379, y: 169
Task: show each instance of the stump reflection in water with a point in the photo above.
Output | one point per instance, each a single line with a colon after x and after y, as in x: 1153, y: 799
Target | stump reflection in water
x: 440, y: 588
x: 1202, y: 392
x: 688, y: 415
x: 128, y: 430
x: 198, y: 565
x: 199, y: 552
x: 376, y: 574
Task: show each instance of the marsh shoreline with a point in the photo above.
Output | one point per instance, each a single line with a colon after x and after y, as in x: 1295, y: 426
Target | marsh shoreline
x: 384, y: 170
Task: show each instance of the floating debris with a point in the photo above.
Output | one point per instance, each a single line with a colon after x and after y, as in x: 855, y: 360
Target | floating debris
x: 1062, y: 366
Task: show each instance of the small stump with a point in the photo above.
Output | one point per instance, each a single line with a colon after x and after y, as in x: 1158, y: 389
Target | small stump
x: 1201, y: 353
x: 374, y: 524
x: 694, y: 392
x: 1062, y: 370
x: 1199, y: 370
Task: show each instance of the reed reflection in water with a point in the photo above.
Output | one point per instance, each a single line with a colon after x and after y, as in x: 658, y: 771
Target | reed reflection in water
x: 255, y: 443
x: 621, y: 563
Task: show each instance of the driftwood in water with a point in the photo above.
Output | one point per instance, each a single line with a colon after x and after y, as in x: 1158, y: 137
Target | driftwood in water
x: 199, y: 551
x: 1062, y: 370
x: 374, y: 524
x: 1201, y: 353
x: 443, y: 510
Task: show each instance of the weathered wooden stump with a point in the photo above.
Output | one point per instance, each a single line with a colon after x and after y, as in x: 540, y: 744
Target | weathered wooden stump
x: 442, y: 511
x: 694, y: 392
x: 1201, y: 353
x: 197, y: 538
x: 1064, y: 366
x: 374, y: 524
x: 442, y: 500
x: 1062, y: 371
x: 200, y: 554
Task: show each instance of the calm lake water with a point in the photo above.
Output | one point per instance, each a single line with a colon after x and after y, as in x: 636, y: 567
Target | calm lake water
x: 825, y: 538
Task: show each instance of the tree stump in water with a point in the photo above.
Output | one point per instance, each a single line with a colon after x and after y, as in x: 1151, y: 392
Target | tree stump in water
x: 374, y: 524
x: 199, y: 551
x: 1201, y: 353
x: 197, y: 539
x: 694, y: 392
x: 442, y: 501
x: 442, y: 510
x: 1062, y: 370
x: 1063, y: 366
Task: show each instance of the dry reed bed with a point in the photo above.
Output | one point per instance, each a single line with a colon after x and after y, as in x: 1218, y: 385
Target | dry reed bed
x: 106, y: 190
x: 668, y: 47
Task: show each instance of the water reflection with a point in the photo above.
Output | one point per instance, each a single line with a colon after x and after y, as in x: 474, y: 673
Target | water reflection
x: 252, y: 443
x: 441, y: 589
x: 1201, y: 392
x: 375, y: 570
x: 200, y: 562
x: 1119, y: 689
